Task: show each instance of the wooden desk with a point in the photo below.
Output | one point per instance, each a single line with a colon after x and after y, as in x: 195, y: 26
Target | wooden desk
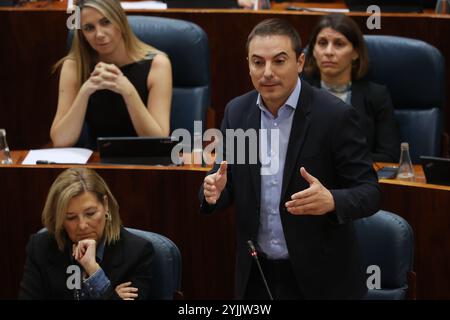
x: 427, y: 209
x: 159, y: 199
x: 164, y: 200
x: 34, y: 38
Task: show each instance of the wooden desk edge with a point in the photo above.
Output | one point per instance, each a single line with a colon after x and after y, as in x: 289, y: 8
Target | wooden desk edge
x: 19, y: 155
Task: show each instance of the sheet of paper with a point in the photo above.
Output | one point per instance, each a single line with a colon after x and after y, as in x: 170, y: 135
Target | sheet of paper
x: 143, y: 5
x: 58, y: 155
x: 327, y: 10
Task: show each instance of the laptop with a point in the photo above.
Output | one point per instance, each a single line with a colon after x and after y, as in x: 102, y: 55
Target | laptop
x: 386, y: 5
x: 201, y: 3
x: 137, y: 150
x: 437, y: 170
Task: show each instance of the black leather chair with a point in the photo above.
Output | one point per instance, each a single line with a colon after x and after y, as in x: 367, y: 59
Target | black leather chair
x: 386, y: 241
x: 413, y: 71
x: 186, y: 44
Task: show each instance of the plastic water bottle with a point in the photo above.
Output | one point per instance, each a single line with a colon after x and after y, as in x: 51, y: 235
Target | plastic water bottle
x: 442, y: 6
x: 405, y: 168
x: 5, y: 156
x: 261, y: 4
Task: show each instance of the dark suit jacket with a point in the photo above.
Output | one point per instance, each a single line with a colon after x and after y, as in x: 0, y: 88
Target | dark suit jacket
x: 129, y: 259
x: 327, y: 140
x: 376, y: 117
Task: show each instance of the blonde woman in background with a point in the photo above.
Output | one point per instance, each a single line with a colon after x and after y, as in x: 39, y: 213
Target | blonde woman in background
x: 110, y: 81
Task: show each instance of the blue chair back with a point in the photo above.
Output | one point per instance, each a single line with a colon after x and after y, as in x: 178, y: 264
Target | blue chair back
x: 386, y: 241
x: 413, y: 71
x: 167, y: 264
x: 187, y: 46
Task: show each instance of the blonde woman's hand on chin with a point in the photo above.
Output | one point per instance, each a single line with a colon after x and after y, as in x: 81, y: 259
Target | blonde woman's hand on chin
x: 84, y: 254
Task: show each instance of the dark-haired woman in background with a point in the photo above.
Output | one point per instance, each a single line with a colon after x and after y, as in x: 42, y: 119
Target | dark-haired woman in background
x: 337, y: 61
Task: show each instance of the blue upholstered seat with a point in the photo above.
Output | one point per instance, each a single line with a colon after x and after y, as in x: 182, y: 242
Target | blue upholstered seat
x: 186, y: 44
x: 386, y: 241
x: 414, y: 73
x: 167, y: 265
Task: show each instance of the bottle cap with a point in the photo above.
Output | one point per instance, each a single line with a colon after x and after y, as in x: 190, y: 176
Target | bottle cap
x: 2, y: 132
x: 404, y: 145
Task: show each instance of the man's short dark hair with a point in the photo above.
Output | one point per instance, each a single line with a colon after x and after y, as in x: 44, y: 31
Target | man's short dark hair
x: 277, y: 27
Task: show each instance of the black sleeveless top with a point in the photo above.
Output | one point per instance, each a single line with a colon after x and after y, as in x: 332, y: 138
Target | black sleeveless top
x: 107, y: 114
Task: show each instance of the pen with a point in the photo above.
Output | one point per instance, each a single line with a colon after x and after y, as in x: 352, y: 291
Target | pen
x: 295, y: 8
x: 44, y: 162
x: 52, y: 162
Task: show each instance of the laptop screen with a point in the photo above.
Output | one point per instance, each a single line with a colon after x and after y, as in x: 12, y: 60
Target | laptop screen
x: 137, y: 150
x: 386, y: 5
x: 437, y: 170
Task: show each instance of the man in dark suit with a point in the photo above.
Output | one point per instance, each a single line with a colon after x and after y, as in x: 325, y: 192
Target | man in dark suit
x: 299, y: 212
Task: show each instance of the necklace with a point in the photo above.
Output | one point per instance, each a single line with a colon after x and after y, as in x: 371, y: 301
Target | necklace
x: 337, y: 89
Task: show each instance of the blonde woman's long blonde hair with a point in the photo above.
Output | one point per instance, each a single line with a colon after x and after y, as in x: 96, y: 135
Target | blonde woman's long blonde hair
x: 69, y: 184
x: 86, y: 57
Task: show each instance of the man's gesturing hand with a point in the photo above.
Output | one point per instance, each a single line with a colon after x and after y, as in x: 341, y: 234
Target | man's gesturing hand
x: 316, y: 200
x: 214, y: 183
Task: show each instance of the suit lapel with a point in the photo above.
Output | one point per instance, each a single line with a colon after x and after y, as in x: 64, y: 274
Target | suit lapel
x: 113, y: 258
x: 58, y: 261
x: 59, y: 258
x: 299, y: 129
x: 254, y: 122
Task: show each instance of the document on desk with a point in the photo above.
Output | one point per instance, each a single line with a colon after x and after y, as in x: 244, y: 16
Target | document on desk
x: 58, y: 155
x: 329, y: 10
x: 143, y: 5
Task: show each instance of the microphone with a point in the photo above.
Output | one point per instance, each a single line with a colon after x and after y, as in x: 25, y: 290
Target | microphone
x: 254, y: 254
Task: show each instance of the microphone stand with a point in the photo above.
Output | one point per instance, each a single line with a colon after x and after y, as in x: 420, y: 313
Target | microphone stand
x: 254, y: 254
